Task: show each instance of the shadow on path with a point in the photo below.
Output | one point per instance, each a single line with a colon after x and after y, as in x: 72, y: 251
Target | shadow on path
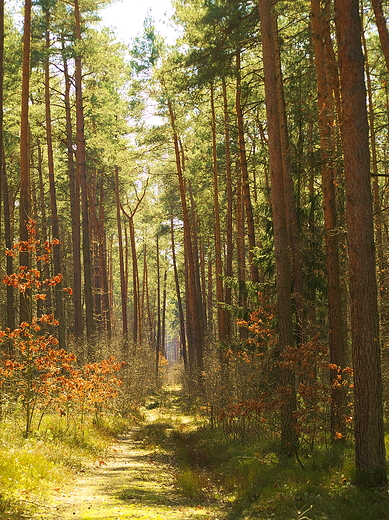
x: 133, y: 482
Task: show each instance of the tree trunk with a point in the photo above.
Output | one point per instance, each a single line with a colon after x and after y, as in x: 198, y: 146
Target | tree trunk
x: 336, y: 312
x: 135, y: 271
x: 244, y: 171
x: 281, y: 239
x: 135, y: 282
x: 24, y: 207
x: 47, y: 303
x: 112, y: 317
x: 81, y: 160
x: 230, y: 209
x: 381, y: 257
x: 10, y: 320
x: 241, y: 258
x: 207, y: 287
x: 198, y: 298
x: 218, y: 246
x: 208, y: 299
x: 59, y: 310
x: 194, y: 319
x: 97, y: 231
x: 106, y: 311
x: 147, y: 295
x: 382, y: 29
x: 368, y: 410
x: 290, y: 200
x: 123, y: 287
x: 74, y: 183
x: 163, y: 324
x: 158, y: 343
x: 179, y: 300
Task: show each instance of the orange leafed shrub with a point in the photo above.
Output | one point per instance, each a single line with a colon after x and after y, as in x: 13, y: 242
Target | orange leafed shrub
x: 260, y: 398
x: 33, y: 368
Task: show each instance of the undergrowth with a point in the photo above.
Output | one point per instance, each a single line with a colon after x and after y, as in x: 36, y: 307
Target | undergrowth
x: 247, y: 479
x: 251, y: 481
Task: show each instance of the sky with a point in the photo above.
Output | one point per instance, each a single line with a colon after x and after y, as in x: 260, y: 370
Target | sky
x: 126, y: 18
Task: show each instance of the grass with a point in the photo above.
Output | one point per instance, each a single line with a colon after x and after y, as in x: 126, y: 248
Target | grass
x: 34, y: 468
x: 255, y: 483
x: 190, y: 484
x: 246, y: 479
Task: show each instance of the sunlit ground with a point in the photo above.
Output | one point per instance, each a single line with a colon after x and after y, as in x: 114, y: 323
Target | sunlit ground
x: 137, y: 480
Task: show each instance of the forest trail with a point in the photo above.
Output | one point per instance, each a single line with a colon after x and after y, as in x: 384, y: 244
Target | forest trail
x: 133, y: 482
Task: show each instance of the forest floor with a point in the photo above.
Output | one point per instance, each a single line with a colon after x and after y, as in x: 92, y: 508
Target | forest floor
x: 136, y: 480
x: 171, y: 465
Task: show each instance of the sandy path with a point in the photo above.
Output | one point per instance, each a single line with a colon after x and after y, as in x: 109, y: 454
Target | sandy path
x: 133, y: 482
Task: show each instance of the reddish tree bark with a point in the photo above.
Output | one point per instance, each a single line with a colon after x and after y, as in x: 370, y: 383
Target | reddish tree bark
x: 382, y: 28
x: 195, y: 332
x: 217, y: 233
x: 58, y: 290
x: 336, y: 312
x: 10, y: 320
x: 230, y: 209
x: 244, y: 171
x: 123, y: 286
x: 281, y: 239
x: 179, y: 299
x: 241, y: 257
x: 135, y: 272
x: 47, y: 304
x: 81, y: 161
x: 24, y: 207
x: 290, y: 200
x: 104, y: 265
x: 74, y: 183
x: 368, y: 410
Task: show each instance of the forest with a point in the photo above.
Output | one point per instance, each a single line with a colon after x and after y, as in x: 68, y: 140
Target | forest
x: 216, y: 206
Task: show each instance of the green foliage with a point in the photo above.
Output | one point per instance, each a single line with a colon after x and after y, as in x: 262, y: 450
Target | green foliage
x: 259, y: 485
x: 31, y: 469
x: 146, y: 50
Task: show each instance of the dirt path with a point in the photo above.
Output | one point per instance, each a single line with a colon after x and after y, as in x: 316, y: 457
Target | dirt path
x: 132, y: 482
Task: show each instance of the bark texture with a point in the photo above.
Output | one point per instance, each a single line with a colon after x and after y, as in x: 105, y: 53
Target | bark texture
x: 368, y: 411
x: 281, y: 238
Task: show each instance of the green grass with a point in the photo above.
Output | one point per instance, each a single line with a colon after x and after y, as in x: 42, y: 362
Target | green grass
x: 257, y: 484
x: 248, y: 479
x: 190, y: 484
x: 31, y: 469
